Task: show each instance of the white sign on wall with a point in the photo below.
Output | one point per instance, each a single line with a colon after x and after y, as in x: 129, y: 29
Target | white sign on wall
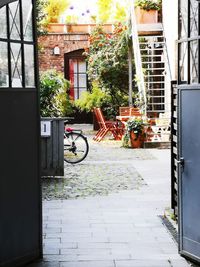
x: 46, y: 128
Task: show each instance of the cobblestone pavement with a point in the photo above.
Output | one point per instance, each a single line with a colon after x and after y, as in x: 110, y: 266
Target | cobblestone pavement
x: 106, y: 169
x: 109, y: 211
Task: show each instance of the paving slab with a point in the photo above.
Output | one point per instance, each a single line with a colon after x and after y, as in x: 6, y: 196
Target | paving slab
x: 115, y: 220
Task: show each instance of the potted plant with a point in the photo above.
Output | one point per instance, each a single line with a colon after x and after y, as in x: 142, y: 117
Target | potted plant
x: 147, y: 11
x: 71, y: 20
x: 134, y: 135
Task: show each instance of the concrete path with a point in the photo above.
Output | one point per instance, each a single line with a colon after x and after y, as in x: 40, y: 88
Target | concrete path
x: 118, y: 230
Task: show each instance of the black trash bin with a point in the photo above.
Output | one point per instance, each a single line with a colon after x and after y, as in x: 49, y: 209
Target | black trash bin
x: 52, y: 143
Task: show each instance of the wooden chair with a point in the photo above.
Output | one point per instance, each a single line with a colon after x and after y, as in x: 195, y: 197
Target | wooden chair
x: 159, y: 129
x: 129, y: 111
x: 114, y: 127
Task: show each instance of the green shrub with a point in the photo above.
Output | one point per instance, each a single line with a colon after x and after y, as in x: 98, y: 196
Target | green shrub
x: 149, y: 4
x: 54, y: 100
x: 89, y: 100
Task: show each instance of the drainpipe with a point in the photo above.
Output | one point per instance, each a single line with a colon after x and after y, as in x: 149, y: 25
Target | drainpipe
x: 130, y: 76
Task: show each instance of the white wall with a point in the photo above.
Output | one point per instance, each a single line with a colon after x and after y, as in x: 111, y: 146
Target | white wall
x: 170, y: 24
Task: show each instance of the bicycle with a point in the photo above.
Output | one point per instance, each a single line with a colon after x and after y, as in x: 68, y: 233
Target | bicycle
x: 76, y: 146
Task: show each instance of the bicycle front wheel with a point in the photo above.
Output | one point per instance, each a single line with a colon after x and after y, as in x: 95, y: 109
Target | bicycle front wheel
x: 75, y: 147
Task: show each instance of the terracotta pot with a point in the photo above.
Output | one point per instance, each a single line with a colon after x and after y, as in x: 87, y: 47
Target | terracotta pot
x: 138, y: 143
x: 146, y: 17
x: 56, y: 28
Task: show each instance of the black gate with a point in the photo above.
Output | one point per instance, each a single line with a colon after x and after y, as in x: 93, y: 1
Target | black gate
x: 20, y: 197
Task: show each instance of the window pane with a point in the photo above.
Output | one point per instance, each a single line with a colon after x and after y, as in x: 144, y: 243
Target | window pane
x: 75, y: 66
x: 183, y: 18
x: 194, y: 18
x: 81, y: 90
x: 29, y: 66
x: 27, y: 20
x: 16, y: 68
x: 14, y: 20
x: 183, y: 62
x: 75, y: 80
x: 82, y: 66
x: 3, y: 23
x: 194, y: 61
x: 3, y: 65
x: 82, y: 80
x: 75, y: 93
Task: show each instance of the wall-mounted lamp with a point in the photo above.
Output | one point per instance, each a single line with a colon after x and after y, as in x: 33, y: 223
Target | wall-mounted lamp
x: 56, y: 51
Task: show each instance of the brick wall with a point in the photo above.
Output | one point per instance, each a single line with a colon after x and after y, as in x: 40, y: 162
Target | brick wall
x: 66, y: 43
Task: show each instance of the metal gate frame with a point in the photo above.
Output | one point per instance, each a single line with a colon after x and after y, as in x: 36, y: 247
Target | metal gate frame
x: 179, y: 166
x: 20, y: 179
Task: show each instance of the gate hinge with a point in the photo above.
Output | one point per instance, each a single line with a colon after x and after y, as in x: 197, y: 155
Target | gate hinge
x: 181, y: 161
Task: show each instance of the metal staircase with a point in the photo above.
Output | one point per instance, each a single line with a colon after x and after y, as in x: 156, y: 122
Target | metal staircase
x: 152, y: 64
x: 154, y: 57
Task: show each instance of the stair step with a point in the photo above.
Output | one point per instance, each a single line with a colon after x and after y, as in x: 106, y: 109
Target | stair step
x: 152, y: 42
x: 153, y: 62
x: 152, y: 82
x: 151, y: 55
x: 156, y: 89
x: 152, y: 49
x: 156, y: 96
x: 150, y: 36
x: 153, y: 111
x: 152, y: 69
x: 156, y: 104
x: 158, y: 144
x: 154, y: 75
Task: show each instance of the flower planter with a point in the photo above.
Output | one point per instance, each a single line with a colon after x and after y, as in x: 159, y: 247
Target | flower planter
x: 136, y: 142
x: 55, y: 28
x: 146, y: 17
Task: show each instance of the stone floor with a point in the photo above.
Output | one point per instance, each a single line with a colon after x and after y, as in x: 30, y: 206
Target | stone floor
x: 111, y: 216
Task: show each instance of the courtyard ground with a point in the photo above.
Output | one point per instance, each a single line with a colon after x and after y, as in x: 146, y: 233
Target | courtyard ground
x: 108, y: 211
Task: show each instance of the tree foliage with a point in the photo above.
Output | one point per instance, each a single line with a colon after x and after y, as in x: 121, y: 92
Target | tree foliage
x: 54, y: 9
x: 41, y: 17
x: 105, y: 10
x: 111, y: 11
x: 120, y: 13
x: 54, y: 100
x: 108, y: 63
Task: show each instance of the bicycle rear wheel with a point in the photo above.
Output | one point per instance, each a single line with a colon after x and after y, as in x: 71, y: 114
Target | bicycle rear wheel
x: 75, y: 147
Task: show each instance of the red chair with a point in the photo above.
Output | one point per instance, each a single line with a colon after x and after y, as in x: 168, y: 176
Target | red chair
x: 116, y: 128
x: 129, y: 111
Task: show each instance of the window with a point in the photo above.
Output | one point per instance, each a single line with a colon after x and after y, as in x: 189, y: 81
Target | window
x: 76, y: 73
x: 17, y: 45
x: 189, y: 42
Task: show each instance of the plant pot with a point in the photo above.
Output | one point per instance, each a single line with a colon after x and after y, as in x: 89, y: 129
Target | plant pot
x: 56, y: 28
x: 146, y: 17
x: 136, y: 142
x: 69, y: 28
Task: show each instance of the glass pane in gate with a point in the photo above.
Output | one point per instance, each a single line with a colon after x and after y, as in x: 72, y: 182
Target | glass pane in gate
x: 3, y: 64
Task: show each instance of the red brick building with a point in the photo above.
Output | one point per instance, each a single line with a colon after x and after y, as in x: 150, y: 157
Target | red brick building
x: 62, y: 49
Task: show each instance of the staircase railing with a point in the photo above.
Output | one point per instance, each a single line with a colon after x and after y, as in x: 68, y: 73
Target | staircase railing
x: 137, y: 58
